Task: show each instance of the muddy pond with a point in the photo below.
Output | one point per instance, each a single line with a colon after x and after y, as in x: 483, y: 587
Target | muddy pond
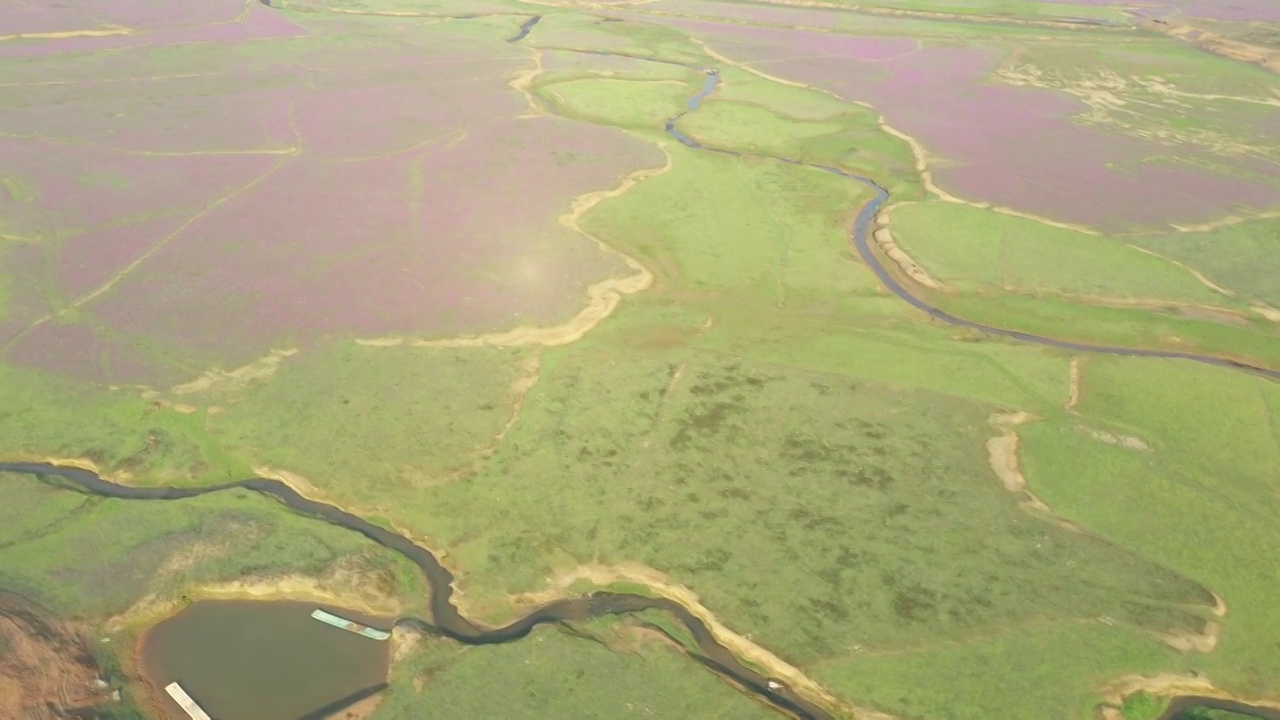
x: 252, y: 660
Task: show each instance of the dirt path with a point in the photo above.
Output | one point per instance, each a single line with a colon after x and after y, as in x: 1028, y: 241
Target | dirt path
x: 1073, y: 385
x: 1199, y: 276
x: 1202, y: 39
x: 1226, y: 222
x: 743, y: 647
x: 929, y: 15
x: 105, y: 31
x: 144, y: 257
x: 1002, y: 455
x: 341, y: 587
x: 909, y: 267
x: 1168, y: 685
x: 219, y: 380
x: 923, y: 160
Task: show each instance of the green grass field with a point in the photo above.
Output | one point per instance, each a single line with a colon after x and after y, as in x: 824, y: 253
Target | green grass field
x: 556, y: 674
x: 93, y: 558
x: 1236, y: 256
x: 1209, y: 485
x: 976, y: 249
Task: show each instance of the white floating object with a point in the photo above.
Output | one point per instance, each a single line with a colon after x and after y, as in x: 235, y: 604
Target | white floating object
x: 345, y: 624
x: 184, y: 700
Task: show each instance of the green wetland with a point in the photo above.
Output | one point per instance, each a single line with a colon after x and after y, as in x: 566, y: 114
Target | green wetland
x: 759, y: 482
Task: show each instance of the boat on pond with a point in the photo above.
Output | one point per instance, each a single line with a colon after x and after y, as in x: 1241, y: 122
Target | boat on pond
x: 329, y: 618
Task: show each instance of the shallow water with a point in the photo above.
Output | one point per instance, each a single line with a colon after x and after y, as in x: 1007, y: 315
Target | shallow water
x: 252, y: 660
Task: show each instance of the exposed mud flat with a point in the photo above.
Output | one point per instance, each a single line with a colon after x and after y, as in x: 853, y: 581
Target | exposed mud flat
x: 46, y: 668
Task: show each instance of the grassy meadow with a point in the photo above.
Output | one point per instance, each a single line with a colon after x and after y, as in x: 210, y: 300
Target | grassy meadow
x: 766, y: 425
x: 93, y: 558
x: 610, y: 673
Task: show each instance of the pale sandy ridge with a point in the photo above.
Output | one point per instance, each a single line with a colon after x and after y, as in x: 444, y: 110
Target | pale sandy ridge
x: 1199, y: 276
x: 923, y: 160
x: 1002, y: 452
x: 928, y: 15
x: 915, y: 271
x: 602, y: 297
x: 1073, y: 384
x: 1168, y: 685
x: 105, y: 31
x: 1226, y: 221
x: 1002, y: 455
x: 342, y: 588
x: 1215, y: 44
x: 742, y: 647
x: 219, y: 380
x: 912, y: 269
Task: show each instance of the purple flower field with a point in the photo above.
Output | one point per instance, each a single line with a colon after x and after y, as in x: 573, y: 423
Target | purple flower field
x: 358, y: 192
x: 363, y: 247
x: 1232, y: 10
x: 261, y: 23
x: 1012, y: 146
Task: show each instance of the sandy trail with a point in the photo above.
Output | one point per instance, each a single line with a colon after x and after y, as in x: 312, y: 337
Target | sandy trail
x: 1202, y: 39
x: 1002, y: 455
x: 923, y: 159
x: 909, y: 267
x: 744, y: 648
x: 219, y: 380
x: 927, y: 15
x: 602, y: 297
x: 1168, y: 685
x: 1226, y: 222
x: 1199, y: 276
x: 106, y: 31
x: 1073, y: 385
x: 144, y: 257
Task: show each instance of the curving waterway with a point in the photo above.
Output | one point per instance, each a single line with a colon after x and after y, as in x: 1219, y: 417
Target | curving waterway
x: 862, y: 232
x: 525, y: 28
x: 446, y: 620
x: 1181, y: 707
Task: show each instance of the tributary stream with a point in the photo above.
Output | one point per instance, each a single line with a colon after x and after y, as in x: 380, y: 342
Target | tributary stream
x: 446, y: 620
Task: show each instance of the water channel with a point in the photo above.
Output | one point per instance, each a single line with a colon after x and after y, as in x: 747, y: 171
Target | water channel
x: 446, y: 620
x: 861, y: 240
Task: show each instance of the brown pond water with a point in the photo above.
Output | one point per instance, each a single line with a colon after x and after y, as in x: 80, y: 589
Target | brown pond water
x: 253, y: 660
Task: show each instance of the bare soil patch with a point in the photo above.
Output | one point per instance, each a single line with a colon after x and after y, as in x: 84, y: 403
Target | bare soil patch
x: 46, y: 667
x: 1201, y: 39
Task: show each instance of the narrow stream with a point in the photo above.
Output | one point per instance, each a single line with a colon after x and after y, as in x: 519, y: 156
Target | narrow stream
x: 446, y: 620
x: 1181, y: 706
x: 862, y: 232
x: 525, y: 28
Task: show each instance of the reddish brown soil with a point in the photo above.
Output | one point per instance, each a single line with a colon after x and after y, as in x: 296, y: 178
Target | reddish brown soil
x: 45, y: 664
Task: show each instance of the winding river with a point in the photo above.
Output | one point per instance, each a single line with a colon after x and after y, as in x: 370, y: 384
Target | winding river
x: 1180, y: 707
x: 861, y: 235
x: 446, y: 620
x: 525, y: 28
